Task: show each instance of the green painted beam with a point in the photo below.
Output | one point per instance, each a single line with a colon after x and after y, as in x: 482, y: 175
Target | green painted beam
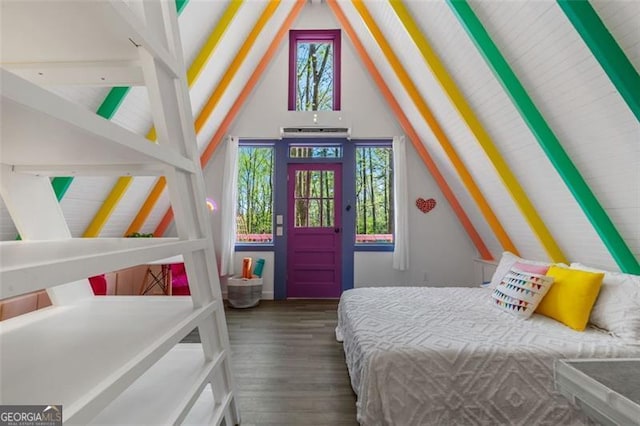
x: 180, y: 4
x: 107, y: 110
x: 606, y: 50
x: 546, y: 138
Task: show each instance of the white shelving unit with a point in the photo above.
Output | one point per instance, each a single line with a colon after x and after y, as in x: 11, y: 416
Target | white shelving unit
x: 113, y: 359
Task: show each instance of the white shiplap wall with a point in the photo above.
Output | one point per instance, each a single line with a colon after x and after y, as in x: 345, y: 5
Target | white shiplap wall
x: 85, y: 96
x: 223, y: 55
x: 437, y: 18
x: 588, y: 116
x: 621, y: 19
x: 575, y: 96
x: 422, y: 129
x: 7, y: 227
x: 244, y: 72
x: 82, y: 201
x: 365, y: 109
x: 496, y: 112
x: 196, y: 23
x: 216, y: 69
x: 129, y: 205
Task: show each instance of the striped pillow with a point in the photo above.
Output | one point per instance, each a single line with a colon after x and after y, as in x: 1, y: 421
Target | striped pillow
x: 520, y: 292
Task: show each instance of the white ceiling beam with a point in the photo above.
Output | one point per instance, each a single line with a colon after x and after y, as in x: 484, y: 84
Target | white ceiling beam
x: 109, y: 74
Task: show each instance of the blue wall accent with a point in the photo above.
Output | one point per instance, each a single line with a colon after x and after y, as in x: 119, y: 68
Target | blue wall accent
x: 280, y: 208
x: 348, y: 212
x: 348, y: 160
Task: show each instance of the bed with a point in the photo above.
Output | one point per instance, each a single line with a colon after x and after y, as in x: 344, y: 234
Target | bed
x: 424, y: 355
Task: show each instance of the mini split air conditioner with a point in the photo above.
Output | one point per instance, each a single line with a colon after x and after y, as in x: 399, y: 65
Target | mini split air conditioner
x: 315, y: 132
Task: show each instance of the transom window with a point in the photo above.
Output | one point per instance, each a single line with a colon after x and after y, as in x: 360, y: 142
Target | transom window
x: 315, y: 151
x: 314, y: 70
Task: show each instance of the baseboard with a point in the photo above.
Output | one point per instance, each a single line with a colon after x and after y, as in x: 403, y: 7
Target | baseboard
x: 266, y: 295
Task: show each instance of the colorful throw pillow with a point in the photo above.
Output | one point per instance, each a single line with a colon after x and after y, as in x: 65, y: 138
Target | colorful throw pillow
x: 534, y: 269
x: 617, y: 308
x: 572, y: 296
x: 520, y: 292
x: 507, y: 261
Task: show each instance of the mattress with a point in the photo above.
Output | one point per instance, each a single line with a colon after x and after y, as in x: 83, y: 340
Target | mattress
x: 446, y: 356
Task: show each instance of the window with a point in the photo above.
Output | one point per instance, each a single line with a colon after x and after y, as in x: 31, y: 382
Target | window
x: 374, y: 194
x: 315, y: 151
x: 314, y: 70
x: 254, y: 220
x: 314, y: 192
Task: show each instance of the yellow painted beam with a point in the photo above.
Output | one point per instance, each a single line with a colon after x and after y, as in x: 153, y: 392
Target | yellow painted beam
x: 430, y: 119
x: 407, y: 126
x: 123, y: 183
x: 466, y: 112
x: 205, y: 53
x: 209, y: 107
x: 239, y: 102
x: 147, y: 206
x: 215, y: 97
x: 108, y: 206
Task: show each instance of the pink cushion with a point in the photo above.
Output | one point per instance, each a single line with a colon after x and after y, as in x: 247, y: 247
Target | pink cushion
x: 99, y: 285
x: 532, y: 269
x: 179, y: 281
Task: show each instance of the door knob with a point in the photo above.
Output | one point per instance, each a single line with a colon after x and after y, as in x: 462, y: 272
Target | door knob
x: 336, y: 230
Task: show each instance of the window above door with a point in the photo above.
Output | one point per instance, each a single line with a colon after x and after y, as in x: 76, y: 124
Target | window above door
x: 314, y: 70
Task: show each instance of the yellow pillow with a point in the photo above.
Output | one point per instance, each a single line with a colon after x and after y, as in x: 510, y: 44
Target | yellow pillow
x: 571, y: 297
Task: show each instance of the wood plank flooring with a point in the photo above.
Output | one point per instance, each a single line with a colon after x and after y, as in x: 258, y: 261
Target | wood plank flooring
x: 288, y: 367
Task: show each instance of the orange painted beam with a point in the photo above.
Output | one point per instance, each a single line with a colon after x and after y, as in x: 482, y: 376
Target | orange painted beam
x: 208, y: 108
x: 439, y: 133
x: 411, y: 132
x: 511, y: 183
x: 239, y: 102
x: 147, y: 206
x: 227, y: 78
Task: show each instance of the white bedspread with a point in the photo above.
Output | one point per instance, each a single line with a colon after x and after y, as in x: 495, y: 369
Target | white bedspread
x: 444, y: 356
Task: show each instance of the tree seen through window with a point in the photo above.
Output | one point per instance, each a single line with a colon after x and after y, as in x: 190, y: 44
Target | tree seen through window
x: 374, y: 194
x: 314, y: 70
x: 314, y: 75
x: 254, y: 209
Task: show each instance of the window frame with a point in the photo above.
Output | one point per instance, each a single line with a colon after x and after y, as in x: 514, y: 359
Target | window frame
x: 296, y: 36
x: 247, y: 246
x: 378, y: 246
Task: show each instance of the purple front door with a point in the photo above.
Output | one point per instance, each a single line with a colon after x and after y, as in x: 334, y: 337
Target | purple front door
x: 314, y: 230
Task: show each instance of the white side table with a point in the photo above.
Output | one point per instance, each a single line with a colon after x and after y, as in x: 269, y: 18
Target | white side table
x: 607, y: 390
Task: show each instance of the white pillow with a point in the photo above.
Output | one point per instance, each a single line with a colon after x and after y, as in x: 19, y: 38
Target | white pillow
x: 520, y: 292
x: 617, y: 308
x: 507, y: 261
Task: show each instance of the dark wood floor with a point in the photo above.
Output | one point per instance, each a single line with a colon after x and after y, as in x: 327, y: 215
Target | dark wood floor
x: 288, y: 367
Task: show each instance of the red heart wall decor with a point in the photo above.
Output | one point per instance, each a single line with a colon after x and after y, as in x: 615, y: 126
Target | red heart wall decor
x: 425, y: 206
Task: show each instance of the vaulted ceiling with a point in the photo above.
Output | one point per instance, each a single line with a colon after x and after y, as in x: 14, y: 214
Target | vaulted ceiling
x: 525, y: 113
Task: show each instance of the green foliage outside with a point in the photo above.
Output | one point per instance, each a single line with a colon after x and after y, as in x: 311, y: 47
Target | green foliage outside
x: 314, y: 74
x: 374, y: 192
x: 140, y: 235
x: 255, y: 192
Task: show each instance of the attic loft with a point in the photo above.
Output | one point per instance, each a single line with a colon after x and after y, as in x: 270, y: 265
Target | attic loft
x: 366, y: 183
